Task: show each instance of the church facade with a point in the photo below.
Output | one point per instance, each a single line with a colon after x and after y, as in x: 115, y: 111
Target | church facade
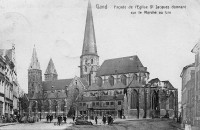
x: 119, y: 87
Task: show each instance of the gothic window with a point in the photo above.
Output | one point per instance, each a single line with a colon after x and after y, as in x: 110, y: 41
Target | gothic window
x: 85, y: 69
x: 62, y: 105
x: 99, y: 81
x: 123, y: 79
x: 171, y: 101
x: 119, y: 102
x: 134, y: 100
x: 111, y: 80
x: 91, y: 61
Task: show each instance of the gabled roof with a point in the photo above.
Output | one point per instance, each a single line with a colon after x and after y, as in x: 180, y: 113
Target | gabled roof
x: 51, y: 68
x: 56, y: 84
x: 168, y: 84
x: 89, y: 43
x: 124, y: 65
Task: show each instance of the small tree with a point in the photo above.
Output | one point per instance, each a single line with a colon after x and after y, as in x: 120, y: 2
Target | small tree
x: 24, y: 103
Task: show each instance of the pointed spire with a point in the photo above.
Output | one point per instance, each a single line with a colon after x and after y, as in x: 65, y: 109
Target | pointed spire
x: 34, y: 60
x: 51, y: 68
x: 89, y: 43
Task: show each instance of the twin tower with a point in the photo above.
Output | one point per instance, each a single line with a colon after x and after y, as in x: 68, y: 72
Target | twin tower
x: 89, y: 60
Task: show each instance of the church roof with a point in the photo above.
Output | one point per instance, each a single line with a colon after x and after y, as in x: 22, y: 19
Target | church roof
x: 51, y: 68
x: 106, y: 86
x: 100, y: 98
x: 124, y: 65
x: 89, y: 43
x: 34, y: 61
x: 6, y: 52
x: 56, y: 84
x: 60, y: 84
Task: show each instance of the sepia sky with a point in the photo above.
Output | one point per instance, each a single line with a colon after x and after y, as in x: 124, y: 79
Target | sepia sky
x: 56, y: 27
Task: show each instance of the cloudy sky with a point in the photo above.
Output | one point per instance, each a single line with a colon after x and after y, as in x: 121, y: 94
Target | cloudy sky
x: 56, y: 27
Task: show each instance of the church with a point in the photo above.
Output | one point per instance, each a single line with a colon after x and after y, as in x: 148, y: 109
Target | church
x: 119, y: 87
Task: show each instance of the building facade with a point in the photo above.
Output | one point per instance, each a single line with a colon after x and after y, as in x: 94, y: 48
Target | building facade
x: 51, y: 96
x: 196, y: 117
x: 8, y: 82
x: 188, y: 93
x: 121, y: 86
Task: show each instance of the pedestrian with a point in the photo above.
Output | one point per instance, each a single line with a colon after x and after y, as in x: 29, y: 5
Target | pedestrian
x: 51, y: 118
x: 109, y: 119
x: 73, y: 118
x: 104, y: 119
x: 96, y: 119
x: 65, y: 118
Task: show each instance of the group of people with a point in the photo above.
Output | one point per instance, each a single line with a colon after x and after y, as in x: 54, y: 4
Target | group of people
x: 61, y: 118
x: 49, y: 118
x: 109, y: 119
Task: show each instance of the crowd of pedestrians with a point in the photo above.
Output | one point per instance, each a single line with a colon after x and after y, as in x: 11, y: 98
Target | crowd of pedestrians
x: 108, y: 118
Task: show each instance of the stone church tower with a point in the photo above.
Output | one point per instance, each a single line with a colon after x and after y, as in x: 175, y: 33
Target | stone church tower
x: 34, y: 75
x: 51, y: 73
x: 89, y: 60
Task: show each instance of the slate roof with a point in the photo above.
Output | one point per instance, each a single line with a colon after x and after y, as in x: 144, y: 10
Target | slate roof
x: 8, y: 53
x: 124, y: 65
x: 89, y: 43
x: 51, y: 68
x: 84, y: 81
x: 106, y: 86
x: 57, y: 84
x: 34, y: 61
x: 101, y: 98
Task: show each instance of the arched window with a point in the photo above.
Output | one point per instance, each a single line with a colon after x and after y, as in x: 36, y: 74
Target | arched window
x: 63, y: 105
x: 171, y: 101
x: 54, y: 105
x: 123, y: 79
x: 134, y: 100
x: 99, y: 81
x: 111, y: 80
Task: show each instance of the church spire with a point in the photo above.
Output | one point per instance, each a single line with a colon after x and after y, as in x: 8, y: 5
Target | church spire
x: 51, y: 73
x: 51, y: 68
x: 89, y: 43
x: 34, y: 61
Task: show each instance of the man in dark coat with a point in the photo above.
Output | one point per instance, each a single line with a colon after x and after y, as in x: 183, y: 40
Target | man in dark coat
x: 96, y: 119
x: 65, y: 118
x: 51, y: 118
x: 104, y: 119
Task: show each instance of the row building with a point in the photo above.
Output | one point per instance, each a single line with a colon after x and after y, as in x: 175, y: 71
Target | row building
x: 9, y: 87
x: 191, y: 90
